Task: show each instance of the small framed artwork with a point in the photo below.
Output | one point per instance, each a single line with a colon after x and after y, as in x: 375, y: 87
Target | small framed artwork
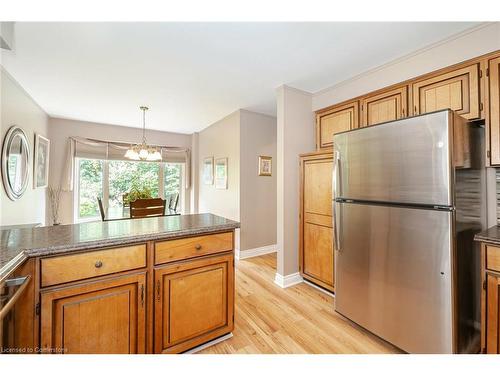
x: 41, y: 162
x: 221, y: 173
x: 208, y: 170
x: 265, y: 166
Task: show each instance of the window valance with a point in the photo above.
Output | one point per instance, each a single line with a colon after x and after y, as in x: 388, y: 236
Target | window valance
x: 79, y: 147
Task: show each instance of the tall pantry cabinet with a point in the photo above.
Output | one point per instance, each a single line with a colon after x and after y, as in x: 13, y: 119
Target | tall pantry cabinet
x: 316, y: 253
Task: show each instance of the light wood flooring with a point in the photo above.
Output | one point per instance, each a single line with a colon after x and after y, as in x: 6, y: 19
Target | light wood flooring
x: 298, y: 319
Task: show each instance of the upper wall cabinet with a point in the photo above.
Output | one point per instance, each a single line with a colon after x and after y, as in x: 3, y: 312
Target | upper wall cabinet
x: 494, y: 113
x: 456, y: 89
x: 386, y: 106
x: 335, y: 120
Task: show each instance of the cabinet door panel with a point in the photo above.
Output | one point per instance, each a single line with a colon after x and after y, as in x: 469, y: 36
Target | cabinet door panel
x: 494, y: 114
x: 316, y: 261
x: 318, y: 187
x: 386, y: 106
x: 96, y: 318
x: 193, y: 303
x: 335, y: 120
x: 457, y: 90
x: 318, y: 252
x: 493, y: 311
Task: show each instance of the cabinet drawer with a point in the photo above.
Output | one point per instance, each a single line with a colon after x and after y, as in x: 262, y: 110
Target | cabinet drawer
x: 184, y: 248
x: 493, y: 258
x: 81, y: 266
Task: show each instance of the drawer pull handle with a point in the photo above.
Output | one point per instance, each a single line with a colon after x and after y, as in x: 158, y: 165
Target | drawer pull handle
x: 198, y: 247
x: 98, y: 264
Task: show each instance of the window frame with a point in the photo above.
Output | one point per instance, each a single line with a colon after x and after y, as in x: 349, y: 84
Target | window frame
x: 105, y: 187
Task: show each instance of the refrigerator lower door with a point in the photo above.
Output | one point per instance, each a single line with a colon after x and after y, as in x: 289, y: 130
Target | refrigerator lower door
x: 394, y: 274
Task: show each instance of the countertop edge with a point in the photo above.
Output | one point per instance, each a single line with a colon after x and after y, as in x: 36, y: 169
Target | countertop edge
x: 487, y: 240
x: 12, y: 265
x: 25, y: 254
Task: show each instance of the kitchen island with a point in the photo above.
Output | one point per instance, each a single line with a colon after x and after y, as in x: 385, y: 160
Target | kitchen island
x: 153, y: 285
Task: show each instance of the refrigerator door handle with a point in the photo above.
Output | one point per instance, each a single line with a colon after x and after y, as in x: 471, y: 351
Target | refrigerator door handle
x: 336, y: 179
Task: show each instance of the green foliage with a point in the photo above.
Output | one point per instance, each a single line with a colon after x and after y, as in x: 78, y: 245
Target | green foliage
x: 137, y: 193
x: 90, y: 186
x: 172, y: 179
x: 141, y: 179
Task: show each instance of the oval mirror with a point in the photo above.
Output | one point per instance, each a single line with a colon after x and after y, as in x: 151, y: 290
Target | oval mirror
x: 15, y: 162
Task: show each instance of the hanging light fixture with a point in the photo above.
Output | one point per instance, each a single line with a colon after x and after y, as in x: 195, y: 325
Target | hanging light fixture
x: 143, y: 151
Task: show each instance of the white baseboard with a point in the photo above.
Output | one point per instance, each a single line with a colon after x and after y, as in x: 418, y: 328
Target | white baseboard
x: 288, y: 280
x: 250, y: 253
x: 209, y: 344
x: 319, y: 288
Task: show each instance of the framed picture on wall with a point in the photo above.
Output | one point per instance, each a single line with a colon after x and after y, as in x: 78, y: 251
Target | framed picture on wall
x: 265, y: 165
x: 221, y: 173
x: 208, y: 170
x: 41, y: 162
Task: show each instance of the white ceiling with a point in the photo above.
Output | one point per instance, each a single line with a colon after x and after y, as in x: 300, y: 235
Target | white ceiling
x: 193, y: 74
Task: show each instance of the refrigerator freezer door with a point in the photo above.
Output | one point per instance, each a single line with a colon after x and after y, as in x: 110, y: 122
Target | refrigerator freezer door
x: 405, y: 161
x: 393, y: 274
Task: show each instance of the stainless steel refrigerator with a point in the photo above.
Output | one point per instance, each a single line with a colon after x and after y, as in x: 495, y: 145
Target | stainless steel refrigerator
x: 409, y: 195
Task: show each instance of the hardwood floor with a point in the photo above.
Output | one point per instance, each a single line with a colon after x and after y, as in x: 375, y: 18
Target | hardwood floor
x: 298, y: 319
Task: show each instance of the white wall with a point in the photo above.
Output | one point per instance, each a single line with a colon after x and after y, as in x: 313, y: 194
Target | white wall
x: 221, y: 140
x: 61, y: 129
x: 17, y: 108
x: 470, y: 44
x: 257, y: 193
x: 295, y: 136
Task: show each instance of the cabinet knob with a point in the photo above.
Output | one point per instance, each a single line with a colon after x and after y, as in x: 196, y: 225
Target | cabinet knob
x: 198, y: 247
x: 98, y: 264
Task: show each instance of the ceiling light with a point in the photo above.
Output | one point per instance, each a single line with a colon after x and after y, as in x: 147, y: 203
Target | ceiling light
x: 143, y: 151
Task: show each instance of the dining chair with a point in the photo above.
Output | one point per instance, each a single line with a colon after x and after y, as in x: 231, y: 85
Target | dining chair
x: 101, y: 209
x: 174, y: 203
x: 147, y: 207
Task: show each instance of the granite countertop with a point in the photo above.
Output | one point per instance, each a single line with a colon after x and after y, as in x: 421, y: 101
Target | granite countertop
x: 491, y: 235
x: 16, y: 245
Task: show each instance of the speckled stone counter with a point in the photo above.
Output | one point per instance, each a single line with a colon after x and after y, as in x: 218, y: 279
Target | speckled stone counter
x: 490, y: 235
x: 16, y: 245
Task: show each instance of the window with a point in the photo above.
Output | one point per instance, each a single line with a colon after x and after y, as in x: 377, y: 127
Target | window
x: 110, y: 180
x: 90, y: 177
x: 173, y: 183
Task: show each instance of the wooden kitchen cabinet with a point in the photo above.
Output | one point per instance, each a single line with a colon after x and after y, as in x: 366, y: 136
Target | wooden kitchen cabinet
x: 103, y: 316
x: 316, y: 253
x: 490, y: 301
x: 492, y: 314
x: 384, y: 106
x: 494, y: 109
x: 335, y: 120
x: 457, y: 89
x: 194, y: 302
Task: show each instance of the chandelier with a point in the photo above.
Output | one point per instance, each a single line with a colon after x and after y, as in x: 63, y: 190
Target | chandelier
x: 143, y: 151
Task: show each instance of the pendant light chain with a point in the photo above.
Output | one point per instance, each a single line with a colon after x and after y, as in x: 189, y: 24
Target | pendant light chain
x: 143, y: 151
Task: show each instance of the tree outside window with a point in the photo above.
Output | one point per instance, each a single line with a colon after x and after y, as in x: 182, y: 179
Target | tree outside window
x: 90, y: 187
x: 127, y: 175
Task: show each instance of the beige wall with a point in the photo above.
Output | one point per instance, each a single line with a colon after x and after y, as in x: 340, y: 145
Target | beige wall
x: 221, y: 140
x: 61, y: 129
x: 472, y: 43
x: 17, y: 108
x: 295, y: 136
x: 257, y: 193
x: 250, y: 199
